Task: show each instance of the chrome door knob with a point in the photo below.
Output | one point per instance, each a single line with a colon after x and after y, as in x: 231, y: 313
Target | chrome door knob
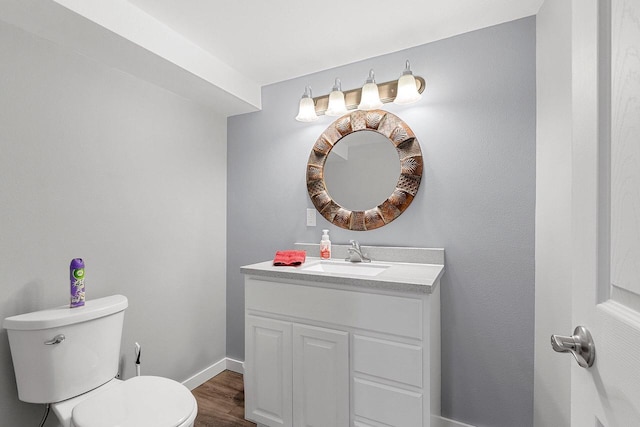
x: 580, y: 344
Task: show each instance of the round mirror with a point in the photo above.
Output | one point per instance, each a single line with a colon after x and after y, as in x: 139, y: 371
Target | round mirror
x: 383, y: 179
x: 361, y: 170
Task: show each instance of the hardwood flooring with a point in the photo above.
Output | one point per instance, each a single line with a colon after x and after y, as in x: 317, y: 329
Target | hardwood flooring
x: 221, y: 402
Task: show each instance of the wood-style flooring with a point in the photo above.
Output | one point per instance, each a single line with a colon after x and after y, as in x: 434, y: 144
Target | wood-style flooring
x: 221, y: 402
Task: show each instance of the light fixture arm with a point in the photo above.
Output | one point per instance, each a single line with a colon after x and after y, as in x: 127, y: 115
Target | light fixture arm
x: 407, y: 69
x: 372, y: 77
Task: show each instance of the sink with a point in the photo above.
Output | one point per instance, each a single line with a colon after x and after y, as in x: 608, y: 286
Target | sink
x: 345, y: 267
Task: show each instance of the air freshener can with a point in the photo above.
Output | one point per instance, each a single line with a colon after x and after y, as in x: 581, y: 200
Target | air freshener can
x: 77, y: 282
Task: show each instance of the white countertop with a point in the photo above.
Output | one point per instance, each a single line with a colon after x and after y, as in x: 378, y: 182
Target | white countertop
x: 398, y: 276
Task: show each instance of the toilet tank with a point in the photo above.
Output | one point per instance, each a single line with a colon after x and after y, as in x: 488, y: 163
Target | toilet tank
x: 86, y: 356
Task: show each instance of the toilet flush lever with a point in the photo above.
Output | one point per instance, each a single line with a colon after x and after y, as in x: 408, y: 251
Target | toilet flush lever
x: 580, y: 344
x: 55, y: 340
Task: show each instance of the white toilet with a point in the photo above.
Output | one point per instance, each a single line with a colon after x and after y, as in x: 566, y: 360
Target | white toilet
x: 68, y: 357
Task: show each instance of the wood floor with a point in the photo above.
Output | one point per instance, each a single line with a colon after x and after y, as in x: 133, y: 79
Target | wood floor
x: 221, y: 402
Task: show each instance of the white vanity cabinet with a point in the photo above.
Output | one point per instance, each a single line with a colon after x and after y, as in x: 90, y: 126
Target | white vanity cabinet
x: 298, y: 374
x: 336, y: 355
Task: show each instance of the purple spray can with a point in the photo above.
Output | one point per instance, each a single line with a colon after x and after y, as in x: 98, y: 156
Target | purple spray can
x: 77, y: 282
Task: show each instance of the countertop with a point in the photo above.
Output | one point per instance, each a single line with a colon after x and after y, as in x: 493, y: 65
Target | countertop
x: 399, y: 276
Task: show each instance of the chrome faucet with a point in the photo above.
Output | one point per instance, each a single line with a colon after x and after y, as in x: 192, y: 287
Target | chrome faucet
x: 355, y: 253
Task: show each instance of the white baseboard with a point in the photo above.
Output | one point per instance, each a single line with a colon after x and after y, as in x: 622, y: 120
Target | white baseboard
x: 437, y: 421
x: 235, y: 365
x: 207, y: 373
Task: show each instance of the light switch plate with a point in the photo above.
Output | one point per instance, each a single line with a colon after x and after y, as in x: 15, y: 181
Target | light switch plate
x: 311, y: 217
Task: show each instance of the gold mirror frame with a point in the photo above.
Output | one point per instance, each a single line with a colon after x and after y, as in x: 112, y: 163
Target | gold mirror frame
x: 409, y: 153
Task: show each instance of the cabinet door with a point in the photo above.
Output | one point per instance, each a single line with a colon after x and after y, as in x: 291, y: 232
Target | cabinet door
x: 267, y: 371
x: 320, y: 377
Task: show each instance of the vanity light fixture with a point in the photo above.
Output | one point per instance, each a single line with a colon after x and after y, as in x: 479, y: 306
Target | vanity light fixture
x: 307, y: 107
x: 407, y: 89
x: 337, y: 106
x: 370, y: 98
x: 391, y: 91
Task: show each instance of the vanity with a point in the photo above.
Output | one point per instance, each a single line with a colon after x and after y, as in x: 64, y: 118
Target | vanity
x: 333, y: 343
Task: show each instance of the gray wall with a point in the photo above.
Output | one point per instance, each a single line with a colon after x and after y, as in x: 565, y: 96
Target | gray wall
x: 97, y: 164
x: 477, y: 127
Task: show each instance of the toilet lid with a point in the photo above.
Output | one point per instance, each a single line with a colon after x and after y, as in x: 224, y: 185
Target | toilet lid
x: 138, y: 402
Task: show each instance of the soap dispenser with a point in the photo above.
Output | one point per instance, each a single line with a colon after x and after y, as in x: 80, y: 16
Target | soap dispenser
x: 325, y: 245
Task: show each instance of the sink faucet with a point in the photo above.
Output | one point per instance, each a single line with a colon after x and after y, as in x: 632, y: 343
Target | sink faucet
x: 355, y: 253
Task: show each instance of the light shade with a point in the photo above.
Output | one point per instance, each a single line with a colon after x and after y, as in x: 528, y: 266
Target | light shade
x: 370, y: 98
x: 337, y: 106
x: 407, y: 89
x: 307, y: 109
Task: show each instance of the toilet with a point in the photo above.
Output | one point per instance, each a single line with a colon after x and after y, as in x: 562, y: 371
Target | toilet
x: 68, y: 357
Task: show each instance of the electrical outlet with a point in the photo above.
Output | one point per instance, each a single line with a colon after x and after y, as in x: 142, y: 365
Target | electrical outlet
x: 311, y: 217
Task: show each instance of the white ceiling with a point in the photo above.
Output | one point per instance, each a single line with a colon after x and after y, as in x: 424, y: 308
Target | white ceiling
x: 274, y: 40
x: 220, y: 53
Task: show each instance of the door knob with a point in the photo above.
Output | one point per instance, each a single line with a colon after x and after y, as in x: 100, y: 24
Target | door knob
x: 580, y: 344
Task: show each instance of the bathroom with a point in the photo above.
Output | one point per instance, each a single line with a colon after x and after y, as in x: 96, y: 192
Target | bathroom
x: 121, y: 158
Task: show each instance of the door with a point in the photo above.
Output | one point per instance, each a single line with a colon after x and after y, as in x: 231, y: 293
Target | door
x: 267, y: 371
x: 606, y: 209
x: 320, y: 377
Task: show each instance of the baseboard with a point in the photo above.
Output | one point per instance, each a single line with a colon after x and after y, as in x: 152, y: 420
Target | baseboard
x: 437, y: 421
x: 235, y: 365
x: 207, y: 373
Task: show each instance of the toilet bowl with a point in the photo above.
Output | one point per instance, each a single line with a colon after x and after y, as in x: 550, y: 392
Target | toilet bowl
x: 68, y: 357
x: 144, y: 401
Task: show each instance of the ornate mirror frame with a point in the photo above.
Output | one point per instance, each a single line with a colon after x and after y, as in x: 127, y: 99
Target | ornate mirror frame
x: 405, y: 142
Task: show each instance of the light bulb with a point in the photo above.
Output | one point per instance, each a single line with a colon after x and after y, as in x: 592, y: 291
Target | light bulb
x: 370, y: 99
x: 337, y: 105
x: 407, y: 90
x: 307, y: 108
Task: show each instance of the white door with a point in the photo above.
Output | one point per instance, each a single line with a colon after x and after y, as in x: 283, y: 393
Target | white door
x: 320, y: 377
x: 606, y: 210
x: 267, y: 371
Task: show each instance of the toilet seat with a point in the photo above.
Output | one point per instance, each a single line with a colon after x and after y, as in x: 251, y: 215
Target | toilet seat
x: 144, y: 401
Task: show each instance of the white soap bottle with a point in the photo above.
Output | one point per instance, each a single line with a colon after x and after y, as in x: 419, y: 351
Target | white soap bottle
x: 325, y: 245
